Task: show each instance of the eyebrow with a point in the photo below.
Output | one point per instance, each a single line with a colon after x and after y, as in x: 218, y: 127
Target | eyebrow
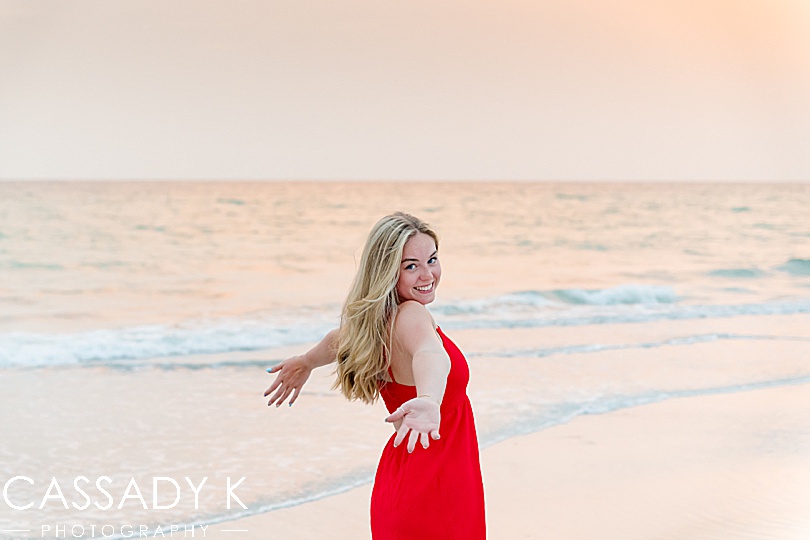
x: 417, y: 260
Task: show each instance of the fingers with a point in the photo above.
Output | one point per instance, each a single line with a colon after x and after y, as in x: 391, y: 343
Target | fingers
x: 272, y: 387
x: 420, y: 429
x: 396, y: 415
x: 414, y: 436
x: 295, y: 396
x: 412, y: 440
x: 286, y: 393
x: 403, y: 430
x: 281, y: 394
x: 276, y: 396
x: 291, y: 374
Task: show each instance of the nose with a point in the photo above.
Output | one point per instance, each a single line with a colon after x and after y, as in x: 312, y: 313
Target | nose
x: 427, y: 274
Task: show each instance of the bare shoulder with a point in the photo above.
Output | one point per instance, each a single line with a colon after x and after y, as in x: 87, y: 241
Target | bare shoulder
x: 411, y: 313
x: 414, y: 327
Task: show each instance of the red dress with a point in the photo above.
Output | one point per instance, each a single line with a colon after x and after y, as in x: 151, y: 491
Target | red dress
x: 433, y: 494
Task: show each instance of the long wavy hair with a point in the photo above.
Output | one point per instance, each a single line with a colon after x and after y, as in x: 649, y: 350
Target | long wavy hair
x: 364, y: 345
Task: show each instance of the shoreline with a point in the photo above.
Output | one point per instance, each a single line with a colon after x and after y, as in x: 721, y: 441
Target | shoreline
x: 677, y: 463
x: 305, y: 455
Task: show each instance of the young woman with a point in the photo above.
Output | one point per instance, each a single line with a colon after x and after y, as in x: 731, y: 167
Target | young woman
x: 389, y: 345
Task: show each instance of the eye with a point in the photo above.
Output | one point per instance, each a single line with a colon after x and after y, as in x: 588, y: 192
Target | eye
x: 434, y: 259
x: 409, y: 267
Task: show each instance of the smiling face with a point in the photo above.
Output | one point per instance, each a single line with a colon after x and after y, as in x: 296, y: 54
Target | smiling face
x: 419, y: 271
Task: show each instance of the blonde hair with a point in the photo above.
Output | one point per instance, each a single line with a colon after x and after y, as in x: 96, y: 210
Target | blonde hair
x: 363, y: 350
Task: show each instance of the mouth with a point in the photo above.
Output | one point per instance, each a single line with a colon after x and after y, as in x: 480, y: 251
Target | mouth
x: 426, y: 288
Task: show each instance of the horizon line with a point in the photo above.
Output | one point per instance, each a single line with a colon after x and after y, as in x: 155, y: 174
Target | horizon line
x: 426, y: 180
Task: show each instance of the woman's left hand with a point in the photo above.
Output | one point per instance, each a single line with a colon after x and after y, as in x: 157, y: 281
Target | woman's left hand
x: 421, y: 417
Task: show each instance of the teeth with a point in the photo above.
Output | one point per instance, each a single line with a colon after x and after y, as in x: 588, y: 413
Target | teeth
x: 425, y: 288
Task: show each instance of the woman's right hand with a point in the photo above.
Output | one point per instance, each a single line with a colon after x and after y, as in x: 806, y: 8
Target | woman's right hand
x: 420, y: 417
x: 292, y: 374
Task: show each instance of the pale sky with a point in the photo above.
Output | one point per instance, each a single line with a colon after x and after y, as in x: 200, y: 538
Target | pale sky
x: 405, y: 89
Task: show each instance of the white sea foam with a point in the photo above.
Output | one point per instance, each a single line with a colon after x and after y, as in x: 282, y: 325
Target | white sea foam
x: 596, y: 347
x: 27, y: 349
x: 619, y: 295
x: 627, y: 294
x: 621, y: 314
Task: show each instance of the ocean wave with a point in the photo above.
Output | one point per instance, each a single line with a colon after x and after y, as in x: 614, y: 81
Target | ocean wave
x: 224, y: 200
x: 26, y: 349
x: 591, y: 315
x: 619, y: 295
x: 527, y: 309
x: 796, y: 267
x: 518, y: 301
x: 738, y: 273
x: 597, y: 347
x: 629, y: 294
x: 24, y: 265
x: 206, y: 364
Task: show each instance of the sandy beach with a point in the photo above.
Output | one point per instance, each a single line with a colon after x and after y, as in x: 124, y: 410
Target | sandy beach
x: 710, y: 467
x: 612, y: 446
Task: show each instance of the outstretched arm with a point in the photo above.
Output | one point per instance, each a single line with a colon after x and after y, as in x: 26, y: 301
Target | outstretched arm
x: 430, y: 364
x: 294, y: 371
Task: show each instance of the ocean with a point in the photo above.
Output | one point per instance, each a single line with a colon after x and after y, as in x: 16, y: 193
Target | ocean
x: 137, y: 319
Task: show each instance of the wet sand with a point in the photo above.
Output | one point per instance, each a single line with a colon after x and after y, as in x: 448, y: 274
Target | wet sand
x: 729, y: 458
x: 709, y: 467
